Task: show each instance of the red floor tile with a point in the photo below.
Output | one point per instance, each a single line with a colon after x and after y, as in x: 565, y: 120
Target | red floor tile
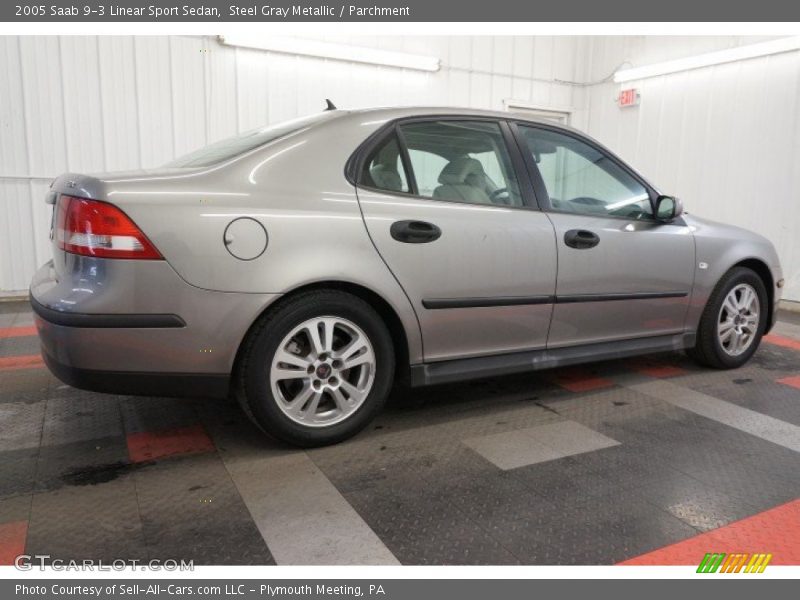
x: 10, y: 332
x: 793, y: 381
x: 12, y: 541
x: 655, y: 369
x: 661, y: 371
x: 151, y: 445
x: 779, y: 340
x: 578, y: 380
x: 14, y: 363
x: 775, y: 531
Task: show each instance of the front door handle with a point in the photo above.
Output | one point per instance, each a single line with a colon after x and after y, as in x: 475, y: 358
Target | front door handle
x: 581, y: 239
x: 415, y: 232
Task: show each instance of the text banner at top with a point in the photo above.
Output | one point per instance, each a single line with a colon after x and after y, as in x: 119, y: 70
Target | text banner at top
x: 464, y: 11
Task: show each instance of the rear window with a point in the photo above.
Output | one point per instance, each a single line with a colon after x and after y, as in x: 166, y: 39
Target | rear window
x: 234, y: 146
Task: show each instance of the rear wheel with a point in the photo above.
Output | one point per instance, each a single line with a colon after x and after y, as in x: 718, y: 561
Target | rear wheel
x: 317, y: 369
x: 733, y: 321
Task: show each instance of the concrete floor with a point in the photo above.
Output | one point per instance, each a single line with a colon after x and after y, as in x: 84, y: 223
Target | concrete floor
x: 651, y: 460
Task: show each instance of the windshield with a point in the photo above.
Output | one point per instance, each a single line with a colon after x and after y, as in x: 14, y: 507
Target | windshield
x: 234, y: 146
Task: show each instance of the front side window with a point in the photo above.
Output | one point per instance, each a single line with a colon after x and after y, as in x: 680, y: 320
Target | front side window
x: 462, y: 161
x: 581, y: 179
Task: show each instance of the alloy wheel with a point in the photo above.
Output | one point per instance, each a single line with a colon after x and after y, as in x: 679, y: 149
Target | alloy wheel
x: 322, y: 371
x: 737, y: 325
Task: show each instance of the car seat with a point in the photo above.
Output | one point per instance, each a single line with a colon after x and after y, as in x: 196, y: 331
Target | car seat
x: 463, y: 179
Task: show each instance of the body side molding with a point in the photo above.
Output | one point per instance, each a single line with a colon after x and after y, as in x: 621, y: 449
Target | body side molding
x: 440, y: 303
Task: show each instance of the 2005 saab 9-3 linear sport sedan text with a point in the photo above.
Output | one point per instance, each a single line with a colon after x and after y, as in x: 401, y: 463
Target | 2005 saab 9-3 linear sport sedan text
x: 303, y: 267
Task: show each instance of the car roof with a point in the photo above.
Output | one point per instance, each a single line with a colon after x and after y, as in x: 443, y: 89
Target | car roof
x: 389, y: 113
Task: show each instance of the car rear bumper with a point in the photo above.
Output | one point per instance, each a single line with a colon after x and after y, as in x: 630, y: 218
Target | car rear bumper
x: 180, y: 385
x: 135, y: 327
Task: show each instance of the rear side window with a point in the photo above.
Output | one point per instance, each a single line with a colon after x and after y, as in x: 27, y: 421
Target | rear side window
x: 461, y: 161
x: 384, y: 169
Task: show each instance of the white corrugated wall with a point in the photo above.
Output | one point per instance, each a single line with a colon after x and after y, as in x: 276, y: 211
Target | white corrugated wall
x: 726, y: 139
x: 76, y: 103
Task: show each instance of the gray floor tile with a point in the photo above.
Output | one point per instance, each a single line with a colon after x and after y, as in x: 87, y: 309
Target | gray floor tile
x: 512, y: 449
x: 77, y: 419
x: 21, y: 425
x: 521, y: 447
x: 95, y: 521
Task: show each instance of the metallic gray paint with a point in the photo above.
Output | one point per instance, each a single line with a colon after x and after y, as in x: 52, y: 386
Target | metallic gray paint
x: 484, y: 251
x: 720, y: 247
x: 216, y: 322
x: 632, y: 257
x: 322, y: 229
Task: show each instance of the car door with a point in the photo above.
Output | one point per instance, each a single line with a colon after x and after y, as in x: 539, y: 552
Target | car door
x: 447, y: 211
x: 621, y: 273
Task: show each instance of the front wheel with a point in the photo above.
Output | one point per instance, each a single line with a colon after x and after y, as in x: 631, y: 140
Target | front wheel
x: 733, y: 321
x: 317, y: 369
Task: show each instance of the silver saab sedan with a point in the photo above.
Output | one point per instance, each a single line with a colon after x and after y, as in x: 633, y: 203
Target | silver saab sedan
x: 304, y: 267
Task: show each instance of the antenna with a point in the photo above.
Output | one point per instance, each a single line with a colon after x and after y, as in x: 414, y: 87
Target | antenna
x: 329, y: 105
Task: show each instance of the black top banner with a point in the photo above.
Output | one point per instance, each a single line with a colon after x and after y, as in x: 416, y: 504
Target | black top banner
x: 400, y: 10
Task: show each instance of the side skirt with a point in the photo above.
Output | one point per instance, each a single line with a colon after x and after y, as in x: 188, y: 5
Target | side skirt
x: 464, y: 369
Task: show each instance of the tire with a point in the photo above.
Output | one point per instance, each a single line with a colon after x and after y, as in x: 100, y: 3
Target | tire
x: 312, y: 398
x: 710, y: 350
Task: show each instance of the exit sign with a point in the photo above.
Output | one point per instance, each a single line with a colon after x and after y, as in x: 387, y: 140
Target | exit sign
x: 628, y: 97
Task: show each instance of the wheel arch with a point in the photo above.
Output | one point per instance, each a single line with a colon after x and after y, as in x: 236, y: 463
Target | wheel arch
x: 384, y: 309
x: 763, y: 271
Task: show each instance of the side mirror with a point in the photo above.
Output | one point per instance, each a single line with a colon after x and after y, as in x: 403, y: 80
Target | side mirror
x: 668, y: 208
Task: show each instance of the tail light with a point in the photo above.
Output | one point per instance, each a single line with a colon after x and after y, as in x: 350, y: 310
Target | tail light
x: 94, y: 228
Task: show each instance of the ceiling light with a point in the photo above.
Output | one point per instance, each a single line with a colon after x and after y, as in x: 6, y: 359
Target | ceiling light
x: 787, y: 44
x: 345, y: 52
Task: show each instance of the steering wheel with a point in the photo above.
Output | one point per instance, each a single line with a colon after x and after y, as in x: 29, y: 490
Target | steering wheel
x: 496, y: 197
x: 632, y: 211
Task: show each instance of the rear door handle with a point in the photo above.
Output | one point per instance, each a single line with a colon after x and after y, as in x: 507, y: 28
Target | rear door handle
x: 415, y: 232
x: 581, y: 239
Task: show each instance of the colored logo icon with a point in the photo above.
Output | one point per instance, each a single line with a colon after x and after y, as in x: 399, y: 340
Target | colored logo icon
x: 714, y: 562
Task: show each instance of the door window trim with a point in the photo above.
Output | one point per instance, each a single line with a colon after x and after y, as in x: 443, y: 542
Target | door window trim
x: 538, y: 181
x: 355, y: 163
x: 405, y: 158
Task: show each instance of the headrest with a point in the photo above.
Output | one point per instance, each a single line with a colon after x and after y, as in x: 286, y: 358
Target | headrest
x: 388, y: 154
x: 542, y: 146
x: 459, y: 169
x: 386, y: 178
